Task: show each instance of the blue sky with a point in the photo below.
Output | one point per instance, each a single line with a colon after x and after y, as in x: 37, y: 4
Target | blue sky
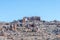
x: 16, y: 9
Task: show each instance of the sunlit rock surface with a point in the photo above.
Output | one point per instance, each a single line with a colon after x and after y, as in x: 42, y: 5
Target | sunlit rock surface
x: 30, y: 28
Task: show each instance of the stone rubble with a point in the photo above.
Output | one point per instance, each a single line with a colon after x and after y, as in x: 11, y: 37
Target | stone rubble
x: 30, y: 28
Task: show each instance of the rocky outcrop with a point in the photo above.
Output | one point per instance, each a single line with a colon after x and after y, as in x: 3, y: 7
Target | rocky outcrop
x: 30, y: 28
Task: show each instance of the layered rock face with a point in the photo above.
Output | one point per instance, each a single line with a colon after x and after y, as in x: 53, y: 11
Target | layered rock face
x: 30, y: 28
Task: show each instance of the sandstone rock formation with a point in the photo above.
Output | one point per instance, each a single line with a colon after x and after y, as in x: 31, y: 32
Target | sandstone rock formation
x: 30, y: 28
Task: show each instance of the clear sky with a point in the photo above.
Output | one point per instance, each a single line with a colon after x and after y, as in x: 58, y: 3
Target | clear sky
x: 17, y: 9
